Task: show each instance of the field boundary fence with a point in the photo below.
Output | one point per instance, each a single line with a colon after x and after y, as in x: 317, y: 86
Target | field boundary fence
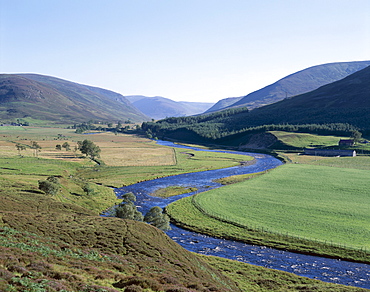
x: 287, y: 236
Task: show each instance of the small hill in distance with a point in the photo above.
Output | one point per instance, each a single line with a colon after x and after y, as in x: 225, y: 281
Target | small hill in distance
x: 58, y: 101
x: 297, y: 83
x: 158, y: 107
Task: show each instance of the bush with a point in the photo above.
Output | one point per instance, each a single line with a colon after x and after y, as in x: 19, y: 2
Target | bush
x: 49, y: 187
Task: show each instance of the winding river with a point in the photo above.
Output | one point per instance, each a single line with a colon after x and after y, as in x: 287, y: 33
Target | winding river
x: 324, y: 269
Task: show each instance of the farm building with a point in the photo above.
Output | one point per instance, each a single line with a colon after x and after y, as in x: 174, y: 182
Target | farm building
x: 330, y: 152
x: 346, y: 142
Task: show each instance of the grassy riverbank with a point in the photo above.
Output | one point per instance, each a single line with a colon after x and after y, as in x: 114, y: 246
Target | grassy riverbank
x: 317, y: 205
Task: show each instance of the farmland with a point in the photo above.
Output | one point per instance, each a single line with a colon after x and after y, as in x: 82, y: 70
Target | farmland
x: 321, y: 203
x: 314, y: 205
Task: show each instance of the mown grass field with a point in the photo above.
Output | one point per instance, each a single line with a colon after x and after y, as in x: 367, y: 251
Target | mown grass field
x: 324, y: 203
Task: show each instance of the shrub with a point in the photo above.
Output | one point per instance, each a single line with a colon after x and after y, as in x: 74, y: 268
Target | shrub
x: 133, y: 288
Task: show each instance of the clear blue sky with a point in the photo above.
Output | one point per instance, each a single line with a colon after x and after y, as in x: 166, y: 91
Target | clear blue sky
x: 194, y: 50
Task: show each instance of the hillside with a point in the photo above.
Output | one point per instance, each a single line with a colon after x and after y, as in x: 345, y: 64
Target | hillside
x: 345, y: 102
x: 158, y: 107
x: 45, y: 98
x: 224, y: 103
x: 297, y: 83
x: 67, y: 247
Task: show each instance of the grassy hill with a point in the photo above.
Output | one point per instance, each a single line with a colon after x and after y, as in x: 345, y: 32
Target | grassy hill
x: 297, y: 83
x: 53, y: 100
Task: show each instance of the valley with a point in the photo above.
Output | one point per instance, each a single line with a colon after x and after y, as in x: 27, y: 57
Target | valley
x: 35, y: 217
x: 70, y: 153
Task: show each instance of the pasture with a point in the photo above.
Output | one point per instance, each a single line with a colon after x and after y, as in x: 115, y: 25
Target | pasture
x: 128, y: 159
x: 322, y: 203
x: 303, y: 140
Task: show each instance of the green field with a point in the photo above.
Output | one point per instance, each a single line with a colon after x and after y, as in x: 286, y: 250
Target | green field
x: 323, y: 203
x: 303, y: 140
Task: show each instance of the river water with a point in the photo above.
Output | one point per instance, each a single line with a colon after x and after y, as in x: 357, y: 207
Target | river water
x: 324, y: 269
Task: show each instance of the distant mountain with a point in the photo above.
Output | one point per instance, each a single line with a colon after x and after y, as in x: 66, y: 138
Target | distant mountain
x: 339, y: 106
x: 224, y: 103
x: 158, y: 107
x: 343, y: 101
x: 59, y: 101
x: 297, y: 83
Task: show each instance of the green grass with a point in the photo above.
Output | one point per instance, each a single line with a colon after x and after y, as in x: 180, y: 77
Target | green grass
x: 172, y: 191
x: 327, y: 204
x: 237, y: 178
x: 303, y: 140
x: 201, y: 161
x: 185, y: 214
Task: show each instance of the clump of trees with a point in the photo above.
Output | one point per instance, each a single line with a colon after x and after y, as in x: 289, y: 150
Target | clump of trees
x: 50, y: 186
x: 65, y: 145
x: 155, y: 216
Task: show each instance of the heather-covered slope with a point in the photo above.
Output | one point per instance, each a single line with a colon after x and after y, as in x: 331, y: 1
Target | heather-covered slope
x: 62, y: 246
x: 59, y: 101
x: 297, y: 83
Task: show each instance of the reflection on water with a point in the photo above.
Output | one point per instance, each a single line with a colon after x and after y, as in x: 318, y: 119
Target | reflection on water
x: 329, y: 270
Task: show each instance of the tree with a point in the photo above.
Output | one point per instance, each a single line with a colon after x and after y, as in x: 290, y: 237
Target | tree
x: 66, y: 146
x: 20, y: 148
x: 88, y: 189
x: 36, y: 147
x: 50, y: 186
x: 89, y: 148
x: 157, y: 218
x: 129, y: 198
x: 127, y: 210
x: 356, y: 135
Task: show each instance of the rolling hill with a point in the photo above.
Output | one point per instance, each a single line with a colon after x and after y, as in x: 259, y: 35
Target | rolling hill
x: 158, y: 107
x: 45, y: 98
x: 342, y: 106
x: 297, y: 83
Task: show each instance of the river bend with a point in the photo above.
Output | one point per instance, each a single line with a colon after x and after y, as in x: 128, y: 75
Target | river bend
x: 324, y: 269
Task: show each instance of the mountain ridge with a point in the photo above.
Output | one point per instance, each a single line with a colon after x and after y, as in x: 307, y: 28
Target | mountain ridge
x: 57, y: 100
x: 159, y: 107
x: 296, y: 83
x: 342, y: 106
